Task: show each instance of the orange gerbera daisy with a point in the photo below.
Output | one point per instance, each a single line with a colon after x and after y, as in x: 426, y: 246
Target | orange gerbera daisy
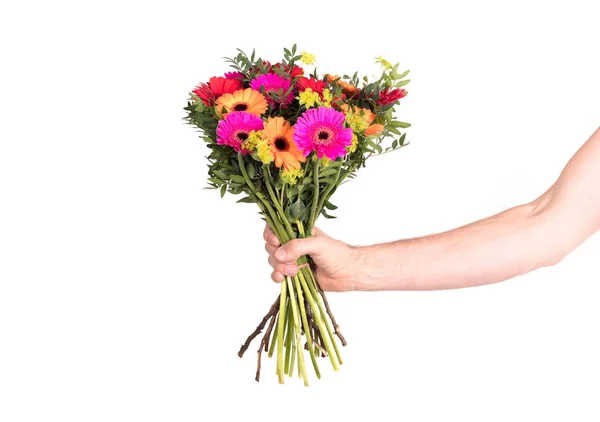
x: 247, y: 100
x: 278, y: 132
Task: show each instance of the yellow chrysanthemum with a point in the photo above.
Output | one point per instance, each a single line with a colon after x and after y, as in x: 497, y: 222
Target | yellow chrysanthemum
x: 327, y: 98
x: 291, y: 176
x: 308, y: 58
x: 352, y: 148
x: 309, y: 98
x: 263, y: 151
x: 254, y: 137
x: 387, y: 65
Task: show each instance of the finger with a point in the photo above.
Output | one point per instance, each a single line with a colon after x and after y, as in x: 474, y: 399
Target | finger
x: 270, y: 248
x: 295, y: 248
x: 282, y: 267
x: 270, y: 237
x: 277, y: 277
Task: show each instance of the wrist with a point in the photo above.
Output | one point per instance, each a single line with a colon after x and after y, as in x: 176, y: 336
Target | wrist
x: 360, y: 274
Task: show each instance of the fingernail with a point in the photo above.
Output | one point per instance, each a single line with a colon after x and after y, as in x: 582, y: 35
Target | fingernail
x: 289, y: 270
x: 280, y: 254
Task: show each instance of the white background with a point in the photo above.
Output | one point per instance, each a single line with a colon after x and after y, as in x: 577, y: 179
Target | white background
x: 126, y: 289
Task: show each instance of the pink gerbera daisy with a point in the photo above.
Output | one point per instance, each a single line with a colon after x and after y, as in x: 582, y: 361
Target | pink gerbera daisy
x: 273, y: 84
x: 322, y: 130
x: 236, y: 128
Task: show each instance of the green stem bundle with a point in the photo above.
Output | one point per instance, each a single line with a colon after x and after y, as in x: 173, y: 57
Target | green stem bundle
x: 299, y: 310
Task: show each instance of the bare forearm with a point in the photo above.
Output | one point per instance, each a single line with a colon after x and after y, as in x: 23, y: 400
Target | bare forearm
x: 496, y: 248
x: 487, y: 251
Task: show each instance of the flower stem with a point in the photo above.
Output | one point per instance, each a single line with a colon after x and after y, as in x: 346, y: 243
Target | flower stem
x: 289, y: 334
x: 273, y: 339
x: 315, y: 201
x: 278, y: 207
x: 309, y: 340
x: 317, y: 316
x: 280, y: 327
x: 329, y: 189
x: 315, y: 291
x: 265, y: 206
x: 301, y: 365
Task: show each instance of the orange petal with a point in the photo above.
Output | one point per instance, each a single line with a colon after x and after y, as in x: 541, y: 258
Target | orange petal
x: 375, y: 129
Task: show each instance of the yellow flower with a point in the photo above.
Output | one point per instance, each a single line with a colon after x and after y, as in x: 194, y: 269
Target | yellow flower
x: 291, y: 176
x: 327, y: 98
x: 263, y: 151
x: 254, y: 138
x: 309, y: 98
x: 325, y: 161
x: 308, y: 58
x: 352, y: 148
x: 387, y: 65
x: 357, y: 123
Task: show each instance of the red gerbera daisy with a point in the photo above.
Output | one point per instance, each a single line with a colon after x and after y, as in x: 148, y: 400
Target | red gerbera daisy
x: 304, y: 83
x: 216, y: 87
x: 389, y: 96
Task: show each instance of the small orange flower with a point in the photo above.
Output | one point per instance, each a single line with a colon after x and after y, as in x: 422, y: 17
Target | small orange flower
x: 347, y: 88
x: 247, y: 100
x: 364, y: 113
x: 278, y: 132
x: 375, y: 129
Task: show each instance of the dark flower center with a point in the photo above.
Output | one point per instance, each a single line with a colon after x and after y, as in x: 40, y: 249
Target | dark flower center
x: 242, y: 136
x: 323, y: 136
x: 240, y: 107
x: 281, y: 144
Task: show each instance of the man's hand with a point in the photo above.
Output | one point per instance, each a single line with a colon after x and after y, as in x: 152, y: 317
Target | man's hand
x: 333, y: 259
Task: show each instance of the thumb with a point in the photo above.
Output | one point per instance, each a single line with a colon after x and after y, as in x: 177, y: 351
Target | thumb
x: 295, y: 248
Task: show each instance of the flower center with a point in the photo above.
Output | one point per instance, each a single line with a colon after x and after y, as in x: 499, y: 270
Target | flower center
x: 323, y: 136
x: 240, y: 107
x: 281, y: 144
x: 242, y: 136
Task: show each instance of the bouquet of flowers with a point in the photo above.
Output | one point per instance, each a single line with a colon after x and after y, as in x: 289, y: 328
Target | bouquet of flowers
x: 287, y: 139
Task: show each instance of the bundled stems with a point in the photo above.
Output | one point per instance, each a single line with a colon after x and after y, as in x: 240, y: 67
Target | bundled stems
x: 301, y: 308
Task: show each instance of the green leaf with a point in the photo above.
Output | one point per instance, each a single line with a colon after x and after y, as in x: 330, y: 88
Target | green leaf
x: 401, y: 140
x: 394, y: 130
x: 327, y: 172
x: 403, y: 74
x: 237, y: 179
x: 327, y: 215
x: 402, y: 124
x: 395, y: 144
x: 375, y: 146
x: 220, y: 174
x: 297, y: 211
x: 223, y: 190
x: 329, y: 205
x: 402, y: 83
x: 246, y: 199
x: 251, y: 170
